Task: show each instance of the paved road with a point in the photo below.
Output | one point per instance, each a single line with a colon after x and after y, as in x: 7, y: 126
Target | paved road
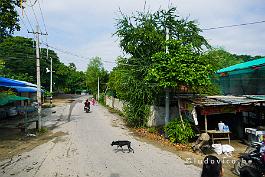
x: 86, y: 151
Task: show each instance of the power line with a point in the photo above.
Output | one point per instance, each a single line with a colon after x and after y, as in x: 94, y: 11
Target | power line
x: 73, y: 54
x: 31, y: 5
x: 82, y: 57
x: 35, y: 16
x: 21, y: 19
x: 28, y: 20
x: 236, y: 25
x: 42, y: 18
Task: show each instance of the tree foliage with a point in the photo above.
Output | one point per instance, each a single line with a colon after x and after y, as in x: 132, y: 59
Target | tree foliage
x: 142, y: 37
x: 246, y: 58
x: 19, y: 62
x: 9, y: 21
x: 95, y: 70
x: 219, y: 58
x: 181, y: 66
x: 177, y: 133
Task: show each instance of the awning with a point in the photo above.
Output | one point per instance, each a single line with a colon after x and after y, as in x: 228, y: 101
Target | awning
x: 5, y: 99
x: 28, y: 83
x: 10, y: 82
x: 244, y: 66
x: 25, y: 89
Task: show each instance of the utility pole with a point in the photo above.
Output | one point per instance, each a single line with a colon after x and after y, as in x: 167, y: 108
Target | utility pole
x: 51, y: 83
x: 98, y: 88
x: 38, y: 76
x: 167, y: 89
x: 37, y: 33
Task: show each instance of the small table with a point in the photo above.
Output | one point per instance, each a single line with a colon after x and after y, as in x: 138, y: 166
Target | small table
x: 216, y: 132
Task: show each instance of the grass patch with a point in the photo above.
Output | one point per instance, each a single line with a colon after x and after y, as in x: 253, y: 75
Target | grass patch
x: 114, y: 111
x: 42, y: 130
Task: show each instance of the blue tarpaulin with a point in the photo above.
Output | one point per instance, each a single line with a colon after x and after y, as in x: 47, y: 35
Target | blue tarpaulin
x: 10, y: 82
x: 19, y: 86
x: 24, y: 89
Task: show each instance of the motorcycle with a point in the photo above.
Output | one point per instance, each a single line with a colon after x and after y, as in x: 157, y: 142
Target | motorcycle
x: 87, y: 109
x: 253, y: 159
x: 253, y: 147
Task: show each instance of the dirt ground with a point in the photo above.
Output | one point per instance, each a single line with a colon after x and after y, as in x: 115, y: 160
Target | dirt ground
x: 187, y: 154
x: 61, y: 99
x: 13, y: 142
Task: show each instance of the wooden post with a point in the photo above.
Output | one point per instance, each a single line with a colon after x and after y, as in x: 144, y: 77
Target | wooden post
x: 205, y: 122
x: 180, y: 115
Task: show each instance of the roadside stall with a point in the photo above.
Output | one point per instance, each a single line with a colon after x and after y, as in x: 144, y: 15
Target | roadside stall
x: 235, y: 113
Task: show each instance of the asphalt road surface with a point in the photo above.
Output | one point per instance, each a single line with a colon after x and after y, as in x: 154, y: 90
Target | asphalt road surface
x: 86, y: 151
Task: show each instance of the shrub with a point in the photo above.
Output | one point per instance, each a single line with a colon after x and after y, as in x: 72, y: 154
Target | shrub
x: 43, y: 130
x: 102, y: 99
x: 177, y: 133
x: 152, y: 130
x: 136, y: 115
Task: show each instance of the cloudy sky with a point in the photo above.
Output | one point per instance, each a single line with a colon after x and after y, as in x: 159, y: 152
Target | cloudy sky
x: 86, y: 27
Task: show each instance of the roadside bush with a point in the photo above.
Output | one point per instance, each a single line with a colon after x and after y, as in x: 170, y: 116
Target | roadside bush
x: 176, y: 133
x: 136, y: 116
x: 43, y: 130
x: 102, y: 99
x: 152, y: 130
x: 47, y: 93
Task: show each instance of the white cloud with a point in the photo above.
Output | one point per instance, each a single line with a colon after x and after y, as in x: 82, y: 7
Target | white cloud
x: 85, y: 27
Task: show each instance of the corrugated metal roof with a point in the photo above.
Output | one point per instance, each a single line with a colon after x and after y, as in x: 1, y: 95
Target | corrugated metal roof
x: 228, y: 100
x: 245, y: 65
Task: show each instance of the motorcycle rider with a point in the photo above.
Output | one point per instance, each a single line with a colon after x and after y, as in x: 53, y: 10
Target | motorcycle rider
x: 87, y: 105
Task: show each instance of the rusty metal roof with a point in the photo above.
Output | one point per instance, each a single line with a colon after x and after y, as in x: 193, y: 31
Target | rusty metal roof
x: 229, y: 100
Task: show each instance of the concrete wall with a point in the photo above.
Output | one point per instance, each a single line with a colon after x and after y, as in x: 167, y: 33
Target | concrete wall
x: 114, y: 103
x: 109, y: 101
x: 118, y: 104
x: 157, y: 114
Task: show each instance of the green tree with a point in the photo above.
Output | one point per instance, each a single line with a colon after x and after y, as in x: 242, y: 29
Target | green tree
x: 143, y: 36
x: 181, y: 66
x: 9, y: 21
x: 219, y: 58
x: 95, y: 70
x: 246, y: 58
x: 19, y: 58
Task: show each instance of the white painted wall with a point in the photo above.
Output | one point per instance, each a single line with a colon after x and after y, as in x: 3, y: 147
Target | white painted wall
x: 157, y: 114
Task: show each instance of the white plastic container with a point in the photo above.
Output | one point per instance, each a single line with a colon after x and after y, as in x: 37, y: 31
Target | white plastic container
x: 221, y: 126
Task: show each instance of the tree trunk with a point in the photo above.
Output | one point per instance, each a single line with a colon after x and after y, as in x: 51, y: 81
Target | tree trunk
x: 180, y: 116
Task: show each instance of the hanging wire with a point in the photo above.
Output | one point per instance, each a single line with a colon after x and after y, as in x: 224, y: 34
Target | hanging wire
x: 42, y: 18
x: 236, y: 25
x: 28, y: 20
x: 35, y: 16
x: 31, y: 4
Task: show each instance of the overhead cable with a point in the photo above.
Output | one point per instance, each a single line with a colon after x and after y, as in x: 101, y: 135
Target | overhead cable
x: 236, y: 25
x: 28, y: 21
x: 42, y: 18
x: 35, y: 16
x: 82, y: 57
x: 31, y: 4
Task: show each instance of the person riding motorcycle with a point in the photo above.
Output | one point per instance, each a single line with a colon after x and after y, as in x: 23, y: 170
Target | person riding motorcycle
x: 87, y: 105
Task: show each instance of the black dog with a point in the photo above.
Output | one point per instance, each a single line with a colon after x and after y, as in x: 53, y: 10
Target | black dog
x: 123, y: 143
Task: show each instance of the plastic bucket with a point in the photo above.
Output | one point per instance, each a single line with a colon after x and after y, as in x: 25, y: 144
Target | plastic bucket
x: 221, y: 126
